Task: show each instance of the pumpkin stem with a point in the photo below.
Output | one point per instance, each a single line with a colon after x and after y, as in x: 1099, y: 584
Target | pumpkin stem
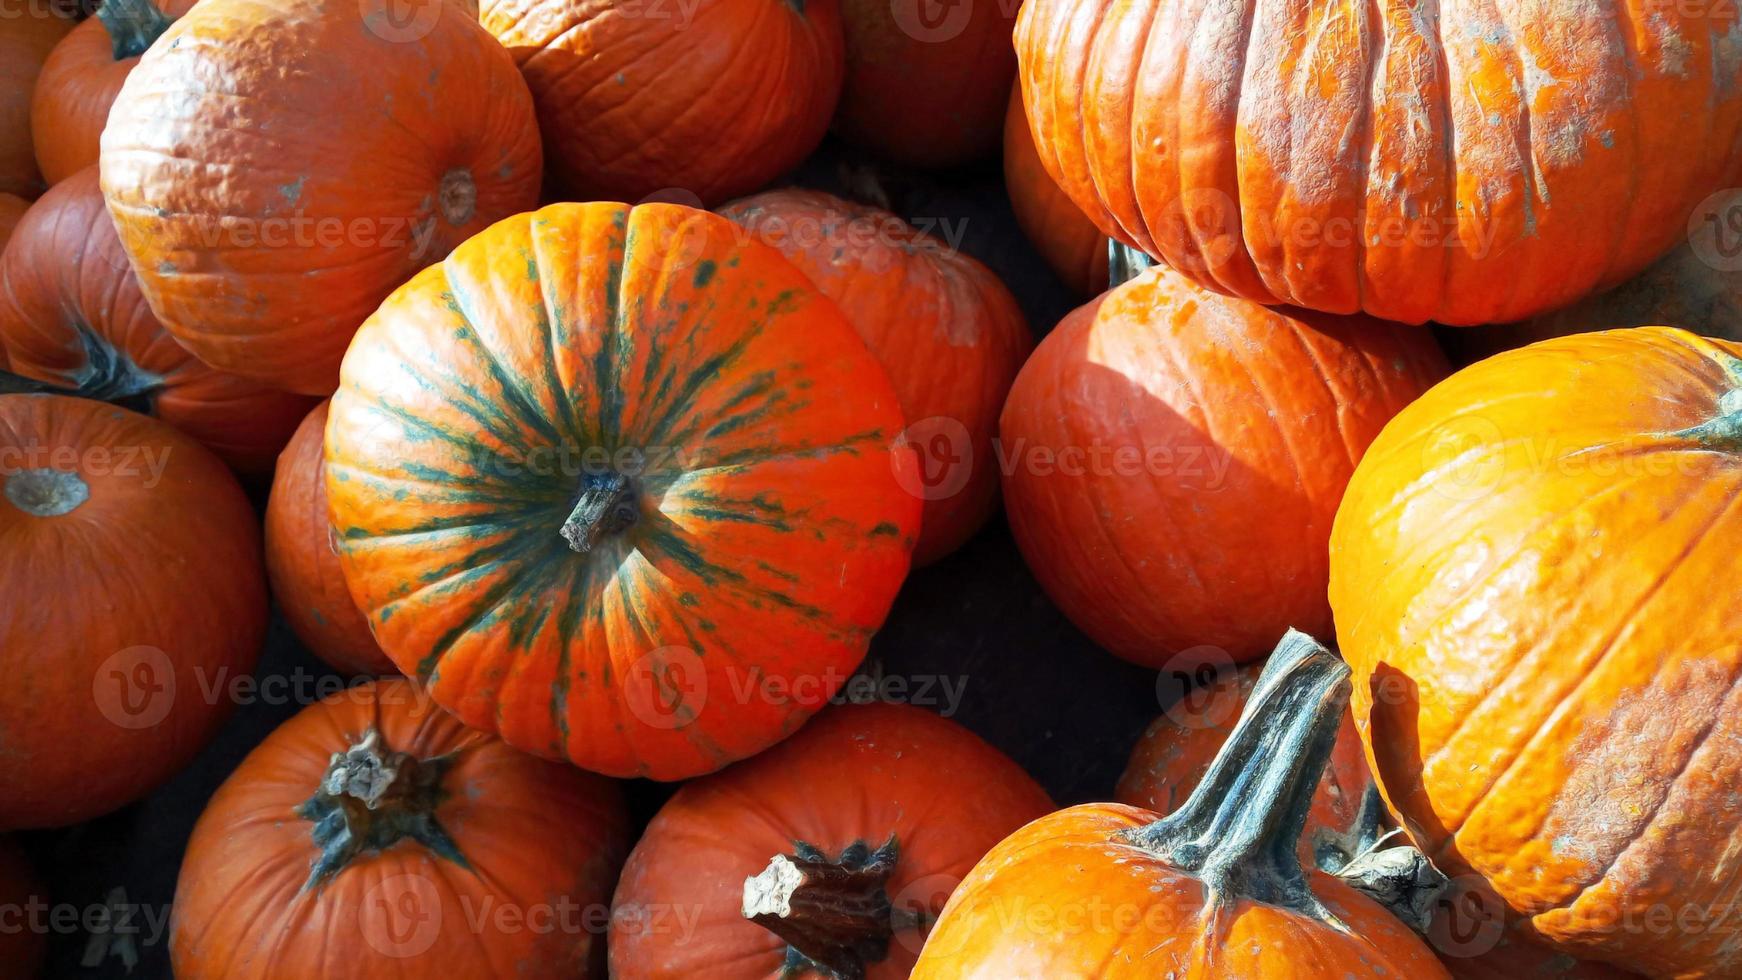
x: 606, y: 506
x: 1124, y: 263
x: 1400, y: 878
x: 107, y: 376
x: 133, y: 26
x: 46, y: 492
x: 835, y: 916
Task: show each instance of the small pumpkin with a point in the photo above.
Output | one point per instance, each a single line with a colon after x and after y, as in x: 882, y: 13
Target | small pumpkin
x: 622, y: 486
x: 72, y: 314
x: 1173, y: 459
x: 132, y: 571
x: 368, y: 148
x: 1214, y: 890
x: 374, y: 835
x: 947, y: 330
x: 1523, y: 575
x: 27, y: 35
x: 23, y: 943
x: 711, y: 98
x: 1069, y: 242
x: 828, y: 855
x: 302, y: 560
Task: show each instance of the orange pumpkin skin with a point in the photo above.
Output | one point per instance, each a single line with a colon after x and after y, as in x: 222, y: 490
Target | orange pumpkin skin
x: 71, y: 313
x: 637, y: 459
x: 1163, y: 436
x: 141, y: 558
x: 1544, y: 673
x: 22, y: 942
x: 1069, y: 242
x: 535, y: 849
x: 27, y: 35
x: 714, y: 98
x: 947, y: 330
x: 262, y: 251
x: 1474, y: 166
x: 855, y: 774
x: 302, y: 560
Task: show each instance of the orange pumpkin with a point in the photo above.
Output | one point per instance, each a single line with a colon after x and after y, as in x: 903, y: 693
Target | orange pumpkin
x: 858, y: 827
x: 275, y: 168
x: 374, y: 835
x: 1173, y: 459
x: 947, y: 330
x: 302, y: 559
x: 23, y: 940
x: 1471, y: 935
x: 135, y: 597
x: 1471, y: 165
x: 1524, y: 572
x: 621, y: 486
x: 27, y: 34
x: 1066, y: 238
x: 71, y: 313
x: 713, y: 98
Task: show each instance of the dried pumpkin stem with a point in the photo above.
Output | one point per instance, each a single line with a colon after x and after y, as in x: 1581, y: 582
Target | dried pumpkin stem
x: 1124, y: 263
x: 606, y: 506
x: 106, y: 376
x: 133, y: 26
x: 835, y: 916
x: 370, y: 799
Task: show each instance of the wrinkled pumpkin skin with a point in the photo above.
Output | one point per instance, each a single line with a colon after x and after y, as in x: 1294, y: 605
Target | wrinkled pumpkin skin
x: 1467, y: 164
x: 27, y: 34
x: 747, y: 442
x: 1069, y: 242
x: 1523, y: 576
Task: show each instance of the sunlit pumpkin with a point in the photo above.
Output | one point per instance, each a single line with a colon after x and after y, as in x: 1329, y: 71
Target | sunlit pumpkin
x: 27, y: 34
x: 1065, y: 237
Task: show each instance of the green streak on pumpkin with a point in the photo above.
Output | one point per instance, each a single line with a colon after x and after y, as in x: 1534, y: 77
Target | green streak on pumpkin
x: 704, y: 273
x: 885, y: 529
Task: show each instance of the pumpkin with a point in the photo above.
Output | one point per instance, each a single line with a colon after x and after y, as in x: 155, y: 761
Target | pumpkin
x: 1523, y: 576
x: 947, y: 330
x: 711, y: 98
x: 622, y: 486
x: 23, y: 941
x: 132, y: 567
x: 1069, y: 242
x: 1173, y: 458
x: 83, y: 75
x: 1215, y: 889
x: 275, y: 169
x: 374, y: 835
x: 1474, y: 942
x: 1471, y: 165
x: 831, y: 852
x: 302, y: 560
x: 71, y: 313
x: 27, y: 35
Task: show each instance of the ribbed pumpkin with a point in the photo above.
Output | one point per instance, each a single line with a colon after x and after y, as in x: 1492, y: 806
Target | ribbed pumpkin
x: 23, y: 941
x: 827, y: 856
x: 372, y: 835
x: 947, y: 330
x: 302, y: 559
x: 713, y: 98
x: 1474, y: 941
x: 621, y: 486
x: 1104, y: 891
x: 132, y: 575
x: 1527, y: 572
x: 83, y: 75
x: 71, y: 313
x: 275, y: 168
x: 27, y: 35
x: 1468, y: 165
x: 1173, y: 459
x: 1065, y: 237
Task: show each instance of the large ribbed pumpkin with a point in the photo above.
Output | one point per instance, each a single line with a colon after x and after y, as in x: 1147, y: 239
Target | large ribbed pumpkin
x: 1531, y: 576
x: 622, y: 486
x: 1173, y: 458
x: 1065, y: 237
x: 1461, y: 163
x: 28, y: 32
x: 275, y: 168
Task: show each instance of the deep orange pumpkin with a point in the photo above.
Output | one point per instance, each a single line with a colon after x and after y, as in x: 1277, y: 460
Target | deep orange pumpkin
x: 947, y: 330
x: 302, y: 559
x: 27, y: 34
x: 621, y: 486
x: 711, y: 98
x: 135, y: 598
x: 868, y: 818
x: 1466, y: 165
x: 275, y: 168
x: 71, y: 313
x: 374, y: 835
x: 1066, y: 238
x: 1173, y: 459
x: 1525, y: 572
x: 23, y: 940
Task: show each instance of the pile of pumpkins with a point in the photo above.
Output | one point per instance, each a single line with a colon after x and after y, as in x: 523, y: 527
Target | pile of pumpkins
x: 556, y: 464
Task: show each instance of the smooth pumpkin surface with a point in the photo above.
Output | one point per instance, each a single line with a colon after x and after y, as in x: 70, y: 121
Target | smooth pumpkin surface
x: 27, y: 36
x: 1467, y: 165
x: 302, y: 559
x: 133, y: 567
x: 707, y: 98
x: 945, y: 328
x: 275, y: 169
x: 1065, y: 237
x: 1545, y: 674
x: 1174, y: 458
x: 855, y: 778
x: 72, y: 313
x: 622, y: 486
x: 374, y: 835
x: 22, y: 943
